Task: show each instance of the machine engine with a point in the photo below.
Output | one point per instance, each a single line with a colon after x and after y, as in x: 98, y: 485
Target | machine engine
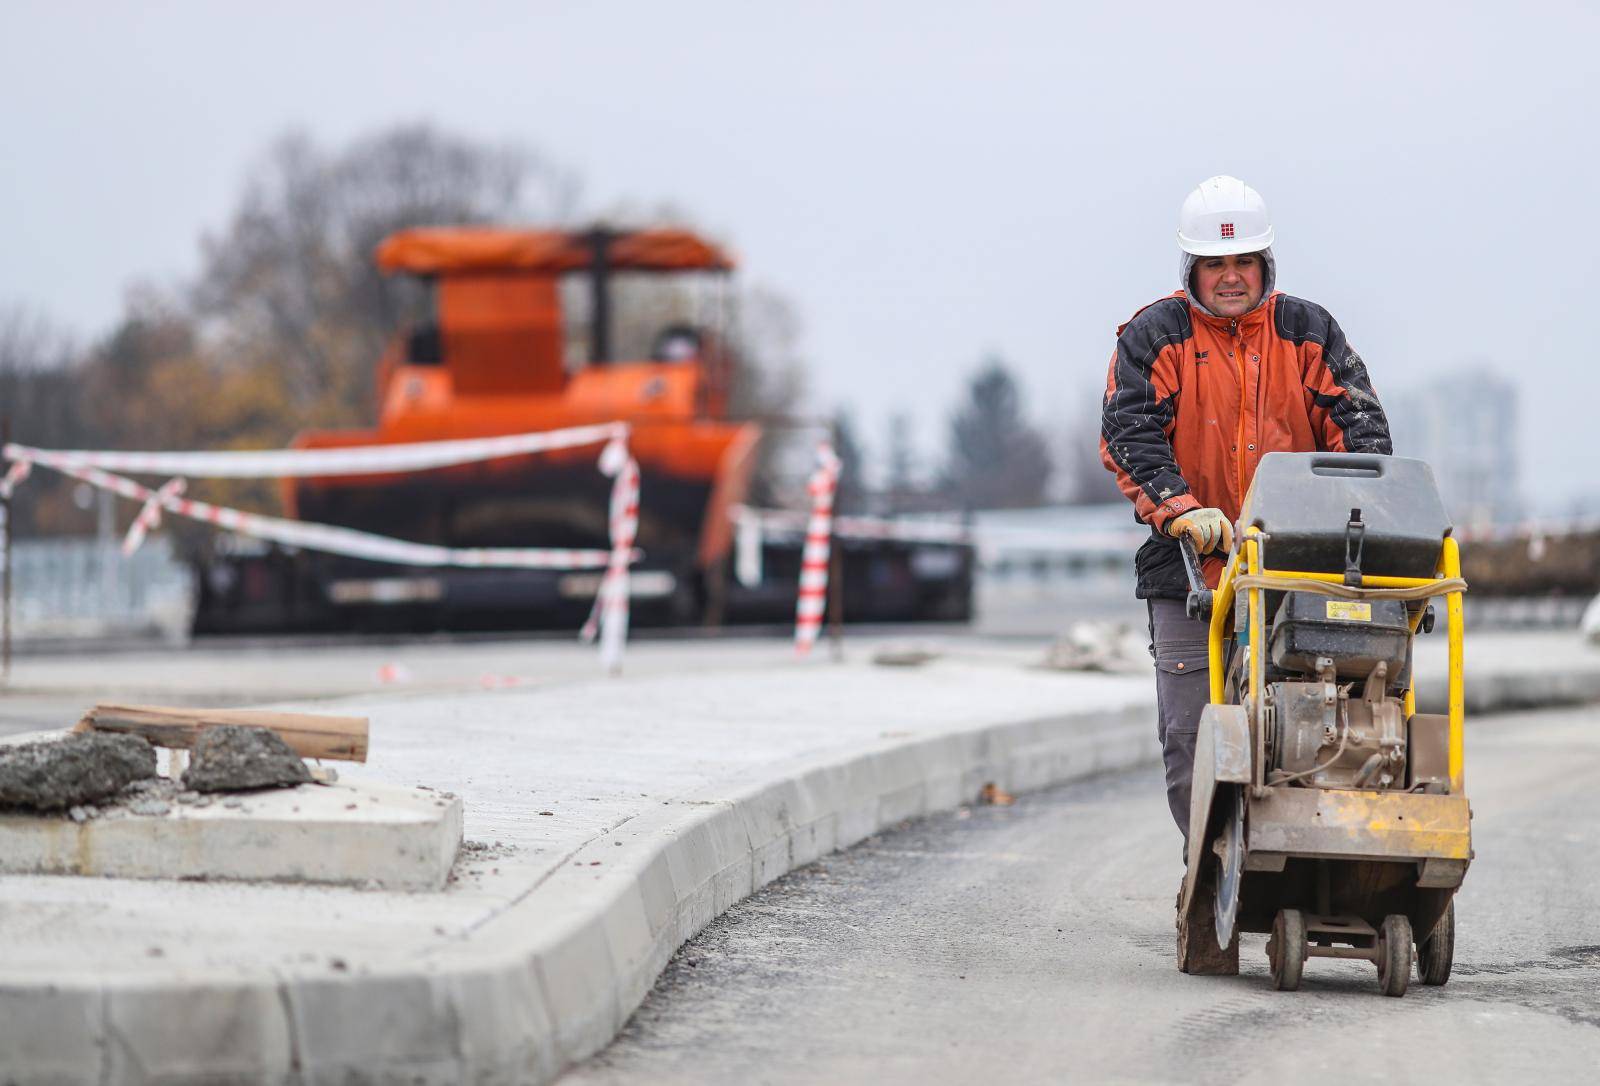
x: 1327, y: 731
x: 1337, y: 669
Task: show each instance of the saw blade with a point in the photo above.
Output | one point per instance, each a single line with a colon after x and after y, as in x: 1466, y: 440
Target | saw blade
x: 1230, y: 868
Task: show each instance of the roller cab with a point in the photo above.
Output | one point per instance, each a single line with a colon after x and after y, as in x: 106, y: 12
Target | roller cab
x: 498, y: 355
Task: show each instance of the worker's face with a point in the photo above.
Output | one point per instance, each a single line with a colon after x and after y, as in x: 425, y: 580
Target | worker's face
x: 1229, y: 286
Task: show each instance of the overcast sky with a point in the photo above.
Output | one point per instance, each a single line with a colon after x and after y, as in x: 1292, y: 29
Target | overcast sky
x: 929, y: 183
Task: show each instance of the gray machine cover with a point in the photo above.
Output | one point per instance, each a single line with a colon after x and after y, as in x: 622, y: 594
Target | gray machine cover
x: 1303, y: 501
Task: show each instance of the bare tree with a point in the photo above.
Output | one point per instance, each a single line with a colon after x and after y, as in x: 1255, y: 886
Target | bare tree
x: 290, y: 282
x: 39, y: 405
x: 36, y: 358
x: 768, y: 370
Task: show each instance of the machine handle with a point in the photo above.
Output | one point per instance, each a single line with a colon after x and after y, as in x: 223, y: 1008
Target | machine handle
x: 1198, y: 604
x: 1356, y: 465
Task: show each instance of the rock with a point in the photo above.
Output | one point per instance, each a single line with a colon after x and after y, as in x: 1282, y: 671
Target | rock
x: 904, y: 656
x: 149, y: 807
x: 69, y: 772
x: 78, y: 814
x: 1098, y: 646
x: 232, y: 758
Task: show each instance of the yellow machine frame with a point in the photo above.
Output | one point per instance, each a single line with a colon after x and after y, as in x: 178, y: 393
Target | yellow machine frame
x: 1249, y: 554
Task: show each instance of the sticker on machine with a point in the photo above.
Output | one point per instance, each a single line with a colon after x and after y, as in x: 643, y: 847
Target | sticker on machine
x: 1350, y: 611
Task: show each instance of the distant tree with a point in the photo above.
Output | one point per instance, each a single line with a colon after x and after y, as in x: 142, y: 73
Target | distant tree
x: 851, y: 496
x: 900, y: 485
x: 996, y: 459
x: 291, y: 283
x: 768, y: 371
x: 1085, y: 480
x: 40, y: 404
x: 36, y: 368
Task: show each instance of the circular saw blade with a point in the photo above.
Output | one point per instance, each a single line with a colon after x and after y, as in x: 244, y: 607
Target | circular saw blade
x: 1230, y: 867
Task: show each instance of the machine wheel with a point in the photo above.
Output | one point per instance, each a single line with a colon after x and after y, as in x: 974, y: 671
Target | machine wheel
x: 1394, y: 955
x: 1437, y: 952
x: 1286, y: 949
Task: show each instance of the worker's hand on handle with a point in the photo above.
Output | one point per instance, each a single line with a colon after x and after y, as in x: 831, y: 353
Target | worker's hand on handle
x: 1207, y: 529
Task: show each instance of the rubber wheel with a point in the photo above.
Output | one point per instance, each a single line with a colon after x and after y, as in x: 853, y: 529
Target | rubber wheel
x: 1286, y: 949
x: 1394, y: 955
x: 1437, y: 952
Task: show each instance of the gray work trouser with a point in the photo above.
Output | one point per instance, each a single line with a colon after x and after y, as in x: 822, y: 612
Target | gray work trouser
x: 1178, y: 644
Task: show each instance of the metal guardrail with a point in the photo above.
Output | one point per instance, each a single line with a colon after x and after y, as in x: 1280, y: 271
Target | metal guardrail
x: 84, y: 587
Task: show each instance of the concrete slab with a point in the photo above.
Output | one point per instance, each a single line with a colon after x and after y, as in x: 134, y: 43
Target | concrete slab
x: 348, y: 833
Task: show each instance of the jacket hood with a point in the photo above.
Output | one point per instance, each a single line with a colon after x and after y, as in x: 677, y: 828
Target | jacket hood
x: 1269, y: 279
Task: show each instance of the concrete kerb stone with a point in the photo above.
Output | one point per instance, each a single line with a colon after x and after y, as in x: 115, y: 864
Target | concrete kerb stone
x: 608, y: 921
x: 399, y: 838
x: 727, y: 841
x: 228, y: 1032
x: 390, y: 1023
x: 1487, y: 691
x: 552, y: 978
x: 55, y: 1033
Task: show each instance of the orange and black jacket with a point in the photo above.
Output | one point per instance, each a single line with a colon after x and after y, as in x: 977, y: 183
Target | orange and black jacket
x: 1193, y: 401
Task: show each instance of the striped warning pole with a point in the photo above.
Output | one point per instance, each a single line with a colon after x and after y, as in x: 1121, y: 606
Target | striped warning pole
x: 814, y: 557
x: 14, y: 475
x: 609, y: 618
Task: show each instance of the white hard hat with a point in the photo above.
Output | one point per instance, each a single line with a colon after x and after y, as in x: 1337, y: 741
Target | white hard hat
x: 1223, y: 215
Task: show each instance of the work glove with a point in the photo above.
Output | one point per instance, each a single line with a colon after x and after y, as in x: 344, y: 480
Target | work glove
x: 1207, y: 529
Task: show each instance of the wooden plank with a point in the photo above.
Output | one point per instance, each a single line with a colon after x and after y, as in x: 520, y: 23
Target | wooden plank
x: 310, y: 735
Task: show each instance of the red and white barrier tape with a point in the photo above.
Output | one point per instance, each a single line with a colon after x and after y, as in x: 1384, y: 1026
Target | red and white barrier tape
x: 335, y: 540
x: 149, y: 518
x: 609, y: 618
x: 778, y: 521
x: 19, y: 470
x: 814, y: 556
x: 285, y: 463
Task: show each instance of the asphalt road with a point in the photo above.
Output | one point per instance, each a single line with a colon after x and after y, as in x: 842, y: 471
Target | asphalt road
x: 1034, y: 943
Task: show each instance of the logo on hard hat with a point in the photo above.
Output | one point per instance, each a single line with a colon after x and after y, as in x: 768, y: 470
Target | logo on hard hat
x: 1227, y: 230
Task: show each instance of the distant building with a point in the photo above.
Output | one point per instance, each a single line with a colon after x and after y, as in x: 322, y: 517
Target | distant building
x: 1465, y: 425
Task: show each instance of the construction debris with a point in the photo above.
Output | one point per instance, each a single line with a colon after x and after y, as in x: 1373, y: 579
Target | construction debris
x: 232, y: 758
x: 1098, y: 646
x: 904, y: 656
x: 72, y: 771
x: 310, y: 735
x: 992, y: 795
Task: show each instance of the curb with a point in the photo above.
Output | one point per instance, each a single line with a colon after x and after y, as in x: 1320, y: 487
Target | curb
x: 1509, y: 691
x: 554, y: 977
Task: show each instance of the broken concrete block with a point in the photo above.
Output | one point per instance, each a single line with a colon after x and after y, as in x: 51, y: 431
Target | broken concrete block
x: 72, y: 771
x: 233, y: 757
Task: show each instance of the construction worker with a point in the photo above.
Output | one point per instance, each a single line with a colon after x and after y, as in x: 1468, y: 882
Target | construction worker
x: 1203, y: 383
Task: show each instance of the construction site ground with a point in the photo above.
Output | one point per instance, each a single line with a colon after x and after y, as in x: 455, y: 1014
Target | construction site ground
x: 1034, y: 944
x: 607, y: 821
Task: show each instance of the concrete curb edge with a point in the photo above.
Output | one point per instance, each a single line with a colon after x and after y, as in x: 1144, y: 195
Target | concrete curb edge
x: 554, y: 977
